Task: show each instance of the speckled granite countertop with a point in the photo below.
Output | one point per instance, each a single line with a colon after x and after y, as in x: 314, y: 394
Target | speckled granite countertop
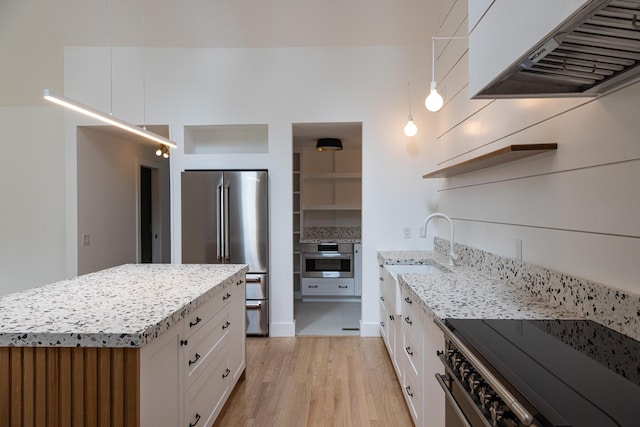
x: 124, y: 306
x: 465, y: 293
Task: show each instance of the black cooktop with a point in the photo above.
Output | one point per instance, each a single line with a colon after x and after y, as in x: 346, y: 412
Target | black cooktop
x: 571, y: 372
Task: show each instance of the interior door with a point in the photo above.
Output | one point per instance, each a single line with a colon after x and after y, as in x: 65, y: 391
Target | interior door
x: 199, y: 217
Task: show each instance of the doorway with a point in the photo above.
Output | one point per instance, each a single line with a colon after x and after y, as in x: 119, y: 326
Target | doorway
x: 327, y: 200
x: 149, y: 229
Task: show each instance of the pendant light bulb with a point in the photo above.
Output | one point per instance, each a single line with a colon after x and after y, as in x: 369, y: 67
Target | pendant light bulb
x: 434, y: 101
x: 410, y: 128
x: 159, y: 151
x: 165, y: 152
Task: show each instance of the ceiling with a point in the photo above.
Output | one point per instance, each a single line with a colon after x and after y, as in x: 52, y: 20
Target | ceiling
x: 306, y: 135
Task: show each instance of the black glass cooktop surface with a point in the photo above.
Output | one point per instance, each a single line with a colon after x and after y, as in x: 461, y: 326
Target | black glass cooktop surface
x: 571, y: 372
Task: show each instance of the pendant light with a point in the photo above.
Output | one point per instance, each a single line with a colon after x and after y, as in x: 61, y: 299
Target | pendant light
x: 329, y: 144
x: 107, y: 118
x: 410, y: 129
x: 434, y: 101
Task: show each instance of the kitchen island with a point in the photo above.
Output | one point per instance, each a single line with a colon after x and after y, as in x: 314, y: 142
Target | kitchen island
x: 133, y: 345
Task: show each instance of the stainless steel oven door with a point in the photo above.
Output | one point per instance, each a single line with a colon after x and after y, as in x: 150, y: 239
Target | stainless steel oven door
x: 327, y: 260
x: 459, y: 411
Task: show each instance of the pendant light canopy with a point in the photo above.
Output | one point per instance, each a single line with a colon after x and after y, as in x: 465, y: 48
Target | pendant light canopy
x: 329, y: 144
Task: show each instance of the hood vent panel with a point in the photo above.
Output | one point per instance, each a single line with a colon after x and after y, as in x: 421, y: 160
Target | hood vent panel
x: 594, y: 51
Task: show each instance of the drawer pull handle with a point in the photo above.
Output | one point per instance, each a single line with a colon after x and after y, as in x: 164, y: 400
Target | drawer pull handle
x: 197, y: 418
x: 184, y: 342
x: 192, y: 324
x: 408, y: 320
x: 408, y: 300
x: 382, y: 324
x: 409, y: 393
x: 408, y: 350
x: 253, y: 305
x: 381, y: 298
x: 313, y: 286
x: 392, y: 317
x: 226, y: 373
x: 343, y: 286
x: 195, y: 359
x: 226, y: 297
x: 226, y: 325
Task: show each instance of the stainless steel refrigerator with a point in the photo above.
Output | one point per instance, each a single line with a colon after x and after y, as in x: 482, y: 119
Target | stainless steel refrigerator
x: 225, y: 221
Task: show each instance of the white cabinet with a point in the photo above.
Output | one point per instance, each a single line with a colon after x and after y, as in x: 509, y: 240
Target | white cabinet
x: 389, y: 317
x: 412, y: 340
x: 188, y: 372
x: 410, y: 355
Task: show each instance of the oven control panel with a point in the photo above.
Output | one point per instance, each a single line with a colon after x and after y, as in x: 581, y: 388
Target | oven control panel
x: 477, y: 401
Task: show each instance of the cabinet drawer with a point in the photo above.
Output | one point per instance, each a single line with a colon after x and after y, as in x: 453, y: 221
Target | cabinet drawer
x: 411, y: 319
x: 194, y: 321
x: 335, y: 287
x: 413, y: 352
x: 412, y: 390
x: 204, y: 400
x: 203, y: 345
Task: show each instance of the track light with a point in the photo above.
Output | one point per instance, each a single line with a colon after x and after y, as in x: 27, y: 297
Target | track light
x: 105, y: 118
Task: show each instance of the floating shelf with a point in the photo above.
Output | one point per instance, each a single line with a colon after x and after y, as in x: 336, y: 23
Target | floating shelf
x: 498, y: 157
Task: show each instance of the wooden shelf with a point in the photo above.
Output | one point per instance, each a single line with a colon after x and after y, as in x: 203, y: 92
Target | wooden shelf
x: 498, y: 157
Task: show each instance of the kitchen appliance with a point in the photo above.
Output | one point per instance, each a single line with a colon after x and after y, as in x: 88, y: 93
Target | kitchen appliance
x: 595, y: 50
x: 327, y: 260
x: 539, y: 373
x: 225, y: 221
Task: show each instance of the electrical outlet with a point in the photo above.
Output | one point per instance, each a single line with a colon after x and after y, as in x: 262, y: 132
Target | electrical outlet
x: 406, y: 232
x: 422, y: 232
x: 519, y: 249
x: 85, y: 240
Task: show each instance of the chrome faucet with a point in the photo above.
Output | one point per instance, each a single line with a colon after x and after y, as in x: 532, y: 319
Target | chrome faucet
x: 452, y: 256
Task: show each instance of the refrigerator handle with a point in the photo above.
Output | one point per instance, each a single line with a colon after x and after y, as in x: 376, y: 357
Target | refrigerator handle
x: 227, y: 255
x: 218, y: 220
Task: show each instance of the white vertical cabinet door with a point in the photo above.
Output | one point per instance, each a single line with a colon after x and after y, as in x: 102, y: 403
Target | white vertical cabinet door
x: 160, y: 383
x: 433, y: 395
x: 238, y: 320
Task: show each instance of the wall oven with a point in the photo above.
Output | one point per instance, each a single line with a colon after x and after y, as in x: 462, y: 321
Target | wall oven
x: 327, y: 260
x: 544, y: 373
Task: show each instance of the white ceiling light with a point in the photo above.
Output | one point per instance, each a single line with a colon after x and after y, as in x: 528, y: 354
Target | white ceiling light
x: 434, y: 101
x: 105, y: 118
x: 410, y: 129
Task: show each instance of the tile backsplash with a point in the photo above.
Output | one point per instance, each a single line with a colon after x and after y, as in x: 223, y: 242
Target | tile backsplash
x: 617, y: 309
x: 331, y: 233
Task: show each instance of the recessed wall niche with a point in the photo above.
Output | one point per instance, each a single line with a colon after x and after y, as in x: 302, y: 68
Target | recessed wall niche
x: 226, y: 139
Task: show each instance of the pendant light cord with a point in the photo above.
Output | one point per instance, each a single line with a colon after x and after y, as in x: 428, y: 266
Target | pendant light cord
x: 110, y: 61
x: 144, y: 65
x: 409, y: 97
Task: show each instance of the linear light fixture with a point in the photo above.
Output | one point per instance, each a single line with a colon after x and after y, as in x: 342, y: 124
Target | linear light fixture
x: 106, y: 118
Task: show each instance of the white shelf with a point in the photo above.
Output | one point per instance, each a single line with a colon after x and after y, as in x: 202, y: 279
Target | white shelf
x: 332, y: 207
x: 332, y: 175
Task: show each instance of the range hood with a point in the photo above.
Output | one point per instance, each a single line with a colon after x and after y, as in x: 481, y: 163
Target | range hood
x: 592, y: 52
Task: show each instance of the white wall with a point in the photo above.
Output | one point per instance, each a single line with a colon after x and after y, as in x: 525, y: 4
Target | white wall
x: 108, y: 198
x: 575, y: 210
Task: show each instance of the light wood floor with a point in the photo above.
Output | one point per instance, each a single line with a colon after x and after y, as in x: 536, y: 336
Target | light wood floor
x: 316, y: 381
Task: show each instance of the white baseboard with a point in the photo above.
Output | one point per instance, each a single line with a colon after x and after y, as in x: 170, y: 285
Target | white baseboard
x: 369, y: 329
x: 287, y: 329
